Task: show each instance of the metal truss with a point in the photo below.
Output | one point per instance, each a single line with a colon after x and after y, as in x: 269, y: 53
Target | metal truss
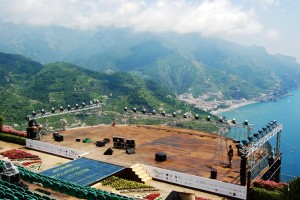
x: 62, y: 111
x: 254, y: 145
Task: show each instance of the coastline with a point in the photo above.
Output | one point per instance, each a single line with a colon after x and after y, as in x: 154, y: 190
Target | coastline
x: 233, y: 106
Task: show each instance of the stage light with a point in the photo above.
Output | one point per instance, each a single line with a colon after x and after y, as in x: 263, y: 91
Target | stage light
x: 61, y: 108
x: 43, y: 111
x: 52, y: 110
x: 153, y: 112
x: 250, y: 138
x: 33, y: 113
x: 208, y: 118
x: 256, y: 135
x: 246, y: 123
x: 125, y: 109
x: 134, y: 110
x: 163, y: 113
x: 264, y: 129
x: 69, y: 107
x: 97, y: 101
x: 233, y: 121
x: 184, y: 116
x: 174, y: 114
x: 91, y: 103
x: 144, y: 111
x: 83, y: 104
x: 221, y: 120
x: 196, y: 117
x: 76, y: 106
x: 260, y: 132
x: 245, y: 142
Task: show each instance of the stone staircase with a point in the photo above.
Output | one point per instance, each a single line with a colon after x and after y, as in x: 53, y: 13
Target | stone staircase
x: 141, y: 172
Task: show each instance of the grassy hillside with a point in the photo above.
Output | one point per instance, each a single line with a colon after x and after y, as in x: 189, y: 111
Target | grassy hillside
x: 30, y: 86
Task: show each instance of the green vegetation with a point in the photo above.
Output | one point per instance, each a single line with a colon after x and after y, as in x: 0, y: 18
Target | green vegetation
x: 62, y: 84
x: 123, y: 184
x: 12, y: 139
x: 266, y: 190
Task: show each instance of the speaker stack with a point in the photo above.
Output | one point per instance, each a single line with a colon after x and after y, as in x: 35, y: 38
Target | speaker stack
x: 130, y: 143
x: 119, y: 142
x: 243, y: 168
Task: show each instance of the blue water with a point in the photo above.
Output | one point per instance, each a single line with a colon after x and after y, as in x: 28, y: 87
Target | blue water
x: 285, y: 111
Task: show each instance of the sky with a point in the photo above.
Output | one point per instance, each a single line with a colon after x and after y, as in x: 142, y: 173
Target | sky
x: 273, y: 24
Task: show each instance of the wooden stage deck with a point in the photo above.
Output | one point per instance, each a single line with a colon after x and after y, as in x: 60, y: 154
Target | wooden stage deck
x: 187, y: 151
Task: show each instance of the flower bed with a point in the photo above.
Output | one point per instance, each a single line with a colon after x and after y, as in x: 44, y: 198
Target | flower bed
x: 269, y: 185
x: 17, y: 154
x: 11, y: 131
x: 123, y: 185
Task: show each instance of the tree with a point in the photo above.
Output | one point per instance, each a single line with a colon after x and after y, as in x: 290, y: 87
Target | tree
x: 1, y: 122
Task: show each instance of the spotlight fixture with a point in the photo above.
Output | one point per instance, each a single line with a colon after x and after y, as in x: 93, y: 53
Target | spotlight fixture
x: 97, y: 101
x: 91, y: 103
x: 208, y: 118
x: 61, y: 108
x: 83, y: 104
x: 125, y: 109
x: 144, y: 111
x: 33, y: 113
x: 76, y: 106
x: 196, y: 117
x: 264, y: 129
x: 163, y: 113
x: 52, y: 110
x: 134, y: 110
x: 246, y: 123
x: 233, y: 121
x: 153, y: 112
x: 43, y: 111
x: 69, y: 107
x: 221, y: 120
x: 255, y: 135
x: 174, y: 114
x: 250, y: 138
x: 184, y: 116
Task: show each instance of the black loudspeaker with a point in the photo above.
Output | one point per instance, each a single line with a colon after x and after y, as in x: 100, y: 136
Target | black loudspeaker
x: 130, y: 143
x: 213, y: 174
x: 100, y: 143
x: 119, y: 142
x: 78, y: 140
x: 243, y: 162
x: 106, y: 140
x: 109, y: 151
x: 160, y: 157
x: 59, y: 138
x: 130, y: 151
x: 243, y: 176
x: 243, y: 170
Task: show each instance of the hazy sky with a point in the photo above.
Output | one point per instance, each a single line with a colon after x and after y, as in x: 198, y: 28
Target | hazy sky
x: 270, y: 23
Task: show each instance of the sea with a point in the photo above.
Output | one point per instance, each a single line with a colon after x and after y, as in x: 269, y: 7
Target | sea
x: 285, y: 111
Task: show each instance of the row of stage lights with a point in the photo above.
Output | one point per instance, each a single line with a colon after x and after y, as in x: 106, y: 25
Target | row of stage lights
x: 163, y: 113
x: 256, y: 136
x: 69, y: 108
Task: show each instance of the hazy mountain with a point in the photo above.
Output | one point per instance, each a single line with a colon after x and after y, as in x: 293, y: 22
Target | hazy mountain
x: 180, y: 63
x: 28, y: 86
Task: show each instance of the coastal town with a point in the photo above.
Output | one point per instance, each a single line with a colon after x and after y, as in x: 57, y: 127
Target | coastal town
x: 215, y: 103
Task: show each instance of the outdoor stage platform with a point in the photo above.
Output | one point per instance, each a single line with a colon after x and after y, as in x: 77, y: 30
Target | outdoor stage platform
x: 187, y: 151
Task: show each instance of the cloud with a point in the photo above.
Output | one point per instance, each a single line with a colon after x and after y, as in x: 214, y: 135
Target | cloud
x: 217, y: 17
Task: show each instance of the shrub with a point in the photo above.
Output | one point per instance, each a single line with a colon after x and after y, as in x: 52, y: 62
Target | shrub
x: 12, y: 139
x: 264, y: 194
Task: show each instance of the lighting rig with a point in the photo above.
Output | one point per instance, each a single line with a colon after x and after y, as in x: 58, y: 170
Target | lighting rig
x: 62, y: 110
